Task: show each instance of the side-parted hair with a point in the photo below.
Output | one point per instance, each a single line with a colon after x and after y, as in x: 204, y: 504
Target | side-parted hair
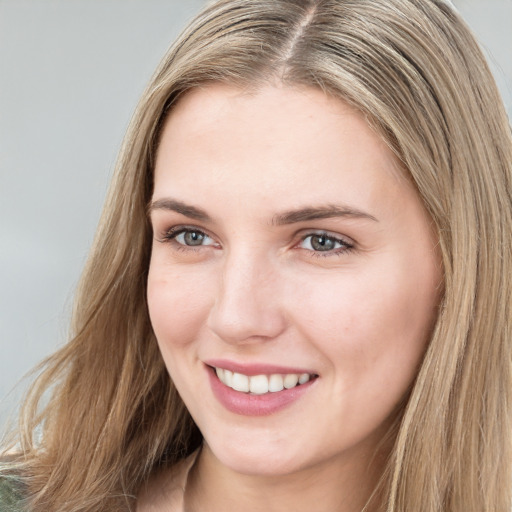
x: 104, y: 413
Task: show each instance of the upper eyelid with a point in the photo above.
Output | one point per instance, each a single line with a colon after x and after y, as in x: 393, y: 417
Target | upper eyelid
x: 330, y: 237
x: 343, y: 246
x: 168, y: 233
x: 168, y: 236
x: 300, y: 235
x: 329, y: 234
x: 176, y: 230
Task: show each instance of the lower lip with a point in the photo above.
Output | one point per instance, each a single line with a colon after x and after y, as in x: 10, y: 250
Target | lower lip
x: 247, y: 404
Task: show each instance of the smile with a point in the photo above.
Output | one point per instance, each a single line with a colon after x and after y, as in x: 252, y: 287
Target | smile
x: 261, y: 384
x: 258, y: 389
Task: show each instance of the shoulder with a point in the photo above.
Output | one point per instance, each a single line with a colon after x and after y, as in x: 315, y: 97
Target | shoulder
x: 11, y: 494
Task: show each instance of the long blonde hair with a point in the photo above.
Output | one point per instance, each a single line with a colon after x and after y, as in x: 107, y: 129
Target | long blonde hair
x: 414, y: 70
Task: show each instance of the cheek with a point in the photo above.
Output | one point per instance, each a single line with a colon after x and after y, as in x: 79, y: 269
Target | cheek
x: 178, y: 305
x: 372, y: 326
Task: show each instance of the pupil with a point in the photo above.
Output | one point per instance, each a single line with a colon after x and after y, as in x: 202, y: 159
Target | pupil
x: 193, y: 238
x: 322, y: 243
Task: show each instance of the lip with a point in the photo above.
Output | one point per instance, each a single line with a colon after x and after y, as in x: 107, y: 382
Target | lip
x: 247, y: 404
x: 256, y: 368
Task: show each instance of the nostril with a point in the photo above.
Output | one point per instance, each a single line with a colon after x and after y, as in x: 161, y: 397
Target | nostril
x: 246, y: 321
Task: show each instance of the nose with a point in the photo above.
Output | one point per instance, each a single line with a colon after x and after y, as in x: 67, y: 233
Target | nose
x: 247, y: 307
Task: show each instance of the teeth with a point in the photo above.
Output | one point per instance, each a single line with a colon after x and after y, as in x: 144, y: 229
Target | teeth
x: 261, y: 384
x: 258, y: 384
x: 228, y: 378
x: 275, y: 383
x: 304, y: 378
x: 290, y: 380
x: 240, y: 382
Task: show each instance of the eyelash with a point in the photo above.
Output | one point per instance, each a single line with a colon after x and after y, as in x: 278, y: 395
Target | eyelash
x: 346, y: 246
x: 170, y: 236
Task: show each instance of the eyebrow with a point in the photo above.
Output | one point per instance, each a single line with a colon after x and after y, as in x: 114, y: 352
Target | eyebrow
x: 281, y: 219
x: 173, y: 205
x: 321, y: 212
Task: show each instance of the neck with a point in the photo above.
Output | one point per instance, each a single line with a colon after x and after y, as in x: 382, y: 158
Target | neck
x: 333, y: 485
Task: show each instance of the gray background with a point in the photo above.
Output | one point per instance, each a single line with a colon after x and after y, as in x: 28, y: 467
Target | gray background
x: 71, y: 72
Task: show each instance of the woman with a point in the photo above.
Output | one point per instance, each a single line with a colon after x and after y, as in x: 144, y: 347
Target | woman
x: 300, y: 290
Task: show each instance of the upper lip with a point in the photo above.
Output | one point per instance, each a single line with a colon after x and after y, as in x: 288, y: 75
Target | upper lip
x: 251, y: 369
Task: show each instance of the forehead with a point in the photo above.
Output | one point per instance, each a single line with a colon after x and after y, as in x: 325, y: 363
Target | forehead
x: 276, y: 144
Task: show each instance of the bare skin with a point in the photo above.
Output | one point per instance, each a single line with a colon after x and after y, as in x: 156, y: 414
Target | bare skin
x: 286, y: 234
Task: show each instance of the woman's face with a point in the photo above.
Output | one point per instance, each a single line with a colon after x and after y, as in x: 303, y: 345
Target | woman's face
x: 287, y: 244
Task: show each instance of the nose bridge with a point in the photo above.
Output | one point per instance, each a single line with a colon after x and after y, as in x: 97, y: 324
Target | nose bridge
x: 247, y: 304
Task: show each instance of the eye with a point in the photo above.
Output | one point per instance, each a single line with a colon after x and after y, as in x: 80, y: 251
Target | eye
x: 188, y: 237
x: 191, y: 238
x: 323, y: 242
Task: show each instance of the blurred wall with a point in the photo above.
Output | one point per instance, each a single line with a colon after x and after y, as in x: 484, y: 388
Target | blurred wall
x: 491, y: 21
x: 71, y: 72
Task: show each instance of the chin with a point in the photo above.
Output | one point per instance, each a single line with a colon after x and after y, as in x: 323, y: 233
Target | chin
x: 257, y: 458
x: 256, y: 465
